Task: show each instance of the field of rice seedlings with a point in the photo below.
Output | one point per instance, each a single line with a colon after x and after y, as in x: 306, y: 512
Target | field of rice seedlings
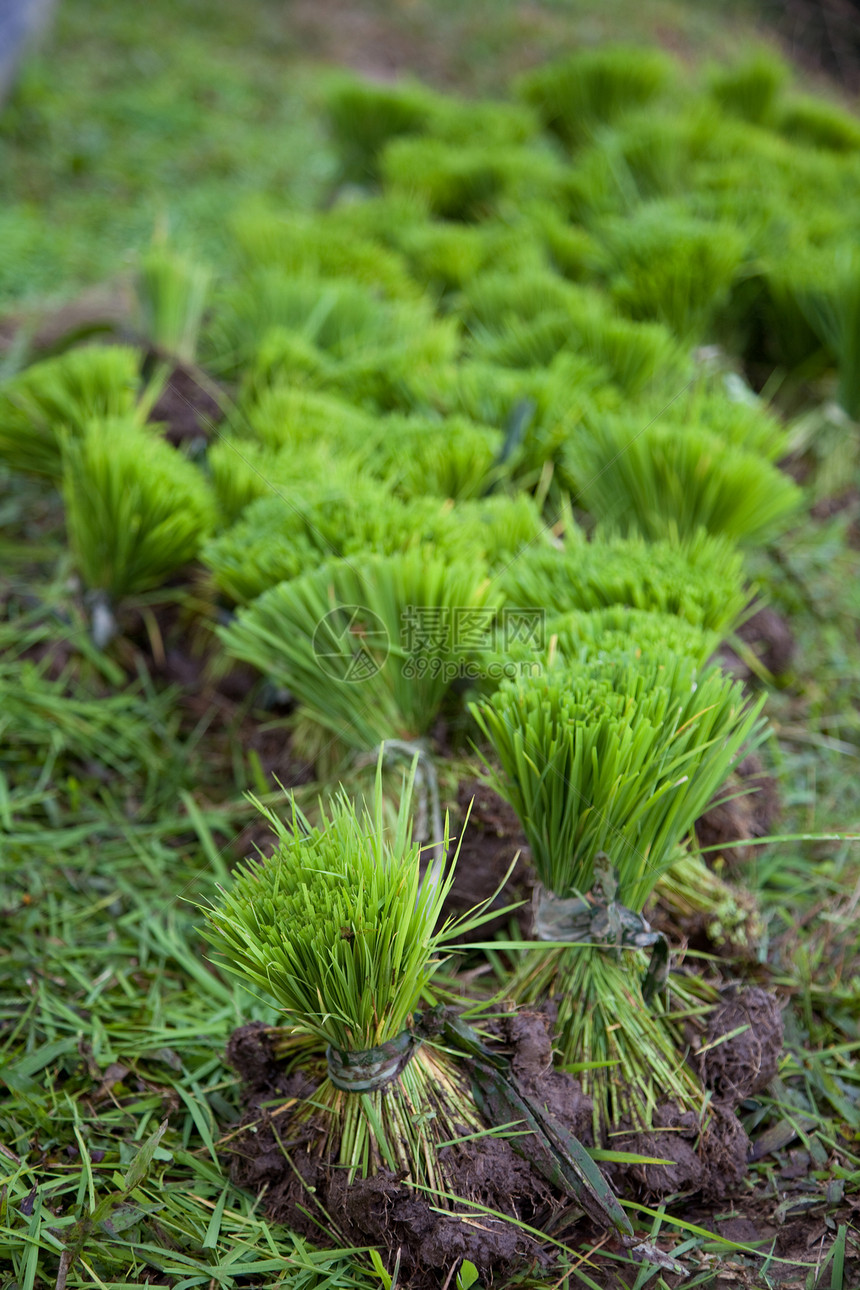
x: 430, y: 692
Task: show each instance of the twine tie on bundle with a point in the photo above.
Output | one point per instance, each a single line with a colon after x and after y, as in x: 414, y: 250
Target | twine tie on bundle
x: 599, y: 919
x: 371, y: 1068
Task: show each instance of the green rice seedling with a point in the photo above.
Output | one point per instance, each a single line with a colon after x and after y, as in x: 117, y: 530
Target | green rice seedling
x: 445, y: 257
x: 620, y: 630
x: 368, y: 646
x: 819, y: 124
x: 378, y: 378
x: 296, y: 419
x: 343, y: 931
x: 466, y: 182
x: 665, y: 265
x: 700, y: 901
x: 338, y: 928
x: 751, y: 87
x: 496, y: 298
x: 323, y: 245
x: 826, y: 286
x: 136, y: 509
x: 718, y: 403
x: 571, y: 249
x: 331, y: 511
x: 608, y: 764
x: 501, y: 526
x: 664, y: 481
x: 490, y: 122
x: 453, y: 458
x: 364, y: 116
x: 701, y: 580
x: 594, y: 87
x: 64, y: 394
x: 340, y: 317
x: 241, y: 471
x: 172, y: 291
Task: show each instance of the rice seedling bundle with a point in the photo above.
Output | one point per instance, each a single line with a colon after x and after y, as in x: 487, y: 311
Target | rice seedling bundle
x: 136, y: 509
x: 453, y: 458
x: 469, y: 181
x: 826, y: 286
x: 339, y: 929
x: 594, y: 87
x: 750, y: 89
x: 819, y: 124
x: 662, y: 480
x: 607, y: 764
x: 172, y: 292
x: 701, y: 580
x: 64, y: 394
x: 370, y: 646
x: 323, y: 245
x: 618, y: 630
x: 665, y: 265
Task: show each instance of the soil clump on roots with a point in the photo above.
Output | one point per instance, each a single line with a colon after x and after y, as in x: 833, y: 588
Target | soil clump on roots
x: 306, y: 1193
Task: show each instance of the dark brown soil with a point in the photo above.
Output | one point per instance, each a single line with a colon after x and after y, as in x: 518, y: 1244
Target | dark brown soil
x: 753, y: 814
x: 381, y: 1210
x: 746, y: 1063
x: 185, y: 408
x: 491, y: 841
x: 710, y: 1162
x: 771, y: 640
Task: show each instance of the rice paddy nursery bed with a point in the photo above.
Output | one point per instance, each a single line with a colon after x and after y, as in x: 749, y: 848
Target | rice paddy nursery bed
x: 543, y: 344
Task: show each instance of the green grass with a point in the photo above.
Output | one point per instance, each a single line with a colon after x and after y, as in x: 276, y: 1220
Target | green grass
x: 120, y: 794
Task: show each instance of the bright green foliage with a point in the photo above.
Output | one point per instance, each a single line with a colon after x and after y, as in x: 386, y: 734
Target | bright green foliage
x: 619, y: 630
x: 294, y: 526
x: 466, y: 182
x: 172, y: 291
x: 324, y: 245
x: 363, y: 116
x: 750, y: 88
x: 826, y: 286
x: 500, y: 526
x: 594, y: 87
x: 614, y: 755
x: 621, y: 757
x: 281, y: 924
x: 337, y: 316
x: 448, y: 256
x: 367, y: 646
x: 700, y: 580
x: 820, y: 124
x: 664, y: 264
x: 241, y: 471
x: 453, y: 458
x: 136, y: 509
x: 63, y: 394
x: 662, y: 481
x: 339, y: 928
x: 297, y: 419
x: 52, y: 732
x: 525, y: 320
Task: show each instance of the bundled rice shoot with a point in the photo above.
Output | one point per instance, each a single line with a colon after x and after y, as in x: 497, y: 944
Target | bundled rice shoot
x: 607, y: 765
x: 595, y: 87
x: 701, y: 580
x: 171, y: 294
x: 136, y: 509
x: 663, y: 481
x: 370, y: 646
x: 63, y: 395
x: 339, y: 929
